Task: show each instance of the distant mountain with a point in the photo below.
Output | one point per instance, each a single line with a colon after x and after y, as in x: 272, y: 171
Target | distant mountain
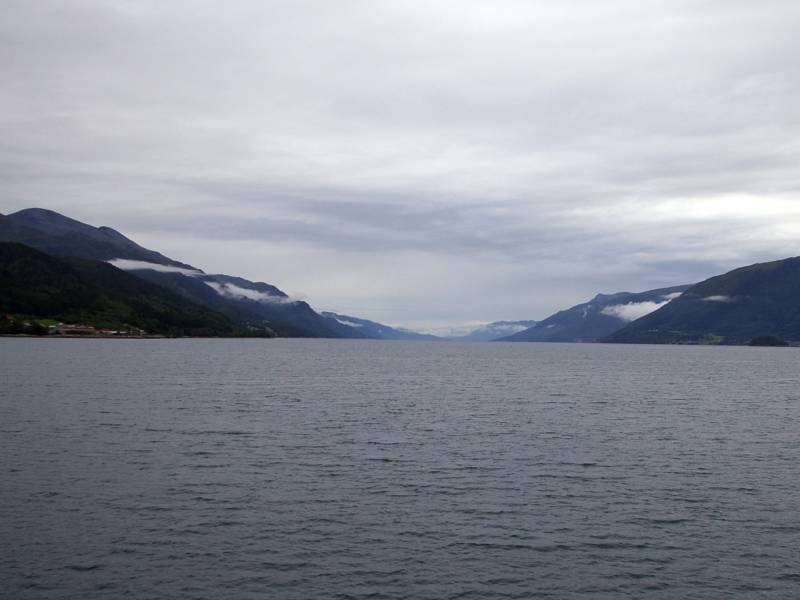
x: 759, y: 301
x: 247, y: 302
x: 34, y: 285
x: 598, y: 318
x: 378, y: 331
x: 493, y: 331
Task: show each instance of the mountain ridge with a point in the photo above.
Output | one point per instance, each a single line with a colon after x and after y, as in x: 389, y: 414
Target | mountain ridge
x: 758, y: 300
x: 251, y: 303
x: 596, y: 319
x: 36, y: 285
x: 59, y: 235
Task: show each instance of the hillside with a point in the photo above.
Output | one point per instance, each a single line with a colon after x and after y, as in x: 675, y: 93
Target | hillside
x: 34, y: 285
x: 598, y: 318
x: 240, y: 300
x: 251, y: 302
x: 55, y: 234
x: 758, y: 301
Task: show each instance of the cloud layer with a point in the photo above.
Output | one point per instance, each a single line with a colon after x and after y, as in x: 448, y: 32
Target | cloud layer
x: 231, y: 290
x: 415, y: 162
x: 632, y: 311
x: 127, y: 264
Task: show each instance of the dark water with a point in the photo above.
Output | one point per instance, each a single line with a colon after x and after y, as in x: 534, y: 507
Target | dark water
x: 332, y: 469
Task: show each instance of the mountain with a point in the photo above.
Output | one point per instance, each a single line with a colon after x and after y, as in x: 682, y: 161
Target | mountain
x: 378, y: 331
x: 249, y: 303
x: 55, y: 234
x: 761, y: 301
x: 493, y: 331
x: 598, y: 318
x: 35, y: 285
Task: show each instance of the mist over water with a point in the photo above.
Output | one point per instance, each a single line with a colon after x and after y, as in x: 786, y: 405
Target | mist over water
x: 304, y: 469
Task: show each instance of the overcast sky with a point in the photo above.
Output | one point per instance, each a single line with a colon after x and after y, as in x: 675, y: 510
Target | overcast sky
x: 428, y: 164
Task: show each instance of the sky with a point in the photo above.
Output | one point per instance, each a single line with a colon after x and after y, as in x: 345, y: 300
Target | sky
x: 430, y: 164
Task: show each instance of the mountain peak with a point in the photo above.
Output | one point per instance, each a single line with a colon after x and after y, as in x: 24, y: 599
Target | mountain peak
x: 44, y: 217
x: 35, y: 210
x: 56, y: 234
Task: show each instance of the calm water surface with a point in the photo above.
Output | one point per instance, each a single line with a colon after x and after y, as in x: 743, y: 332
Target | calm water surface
x: 335, y: 469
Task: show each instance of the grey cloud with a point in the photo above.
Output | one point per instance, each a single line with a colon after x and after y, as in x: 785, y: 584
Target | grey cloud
x: 559, y: 147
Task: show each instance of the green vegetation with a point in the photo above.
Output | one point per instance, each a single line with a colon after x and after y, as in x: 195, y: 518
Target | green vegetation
x: 18, y: 325
x: 63, y: 237
x: 36, y: 287
x: 768, y: 340
x: 710, y: 339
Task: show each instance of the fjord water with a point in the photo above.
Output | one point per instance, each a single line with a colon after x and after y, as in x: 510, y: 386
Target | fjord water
x: 354, y: 469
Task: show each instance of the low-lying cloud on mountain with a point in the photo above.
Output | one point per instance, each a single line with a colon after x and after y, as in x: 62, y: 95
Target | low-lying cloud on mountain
x: 631, y: 312
x: 636, y: 310
x: 348, y: 322
x: 139, y: 265
x: 234, y: 291
x: 425, y: 163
